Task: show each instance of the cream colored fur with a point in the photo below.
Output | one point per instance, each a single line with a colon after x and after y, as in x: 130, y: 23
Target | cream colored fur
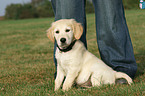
x: 78, y: 64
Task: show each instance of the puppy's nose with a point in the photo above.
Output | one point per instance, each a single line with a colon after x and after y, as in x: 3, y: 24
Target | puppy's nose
x: 63, y: 40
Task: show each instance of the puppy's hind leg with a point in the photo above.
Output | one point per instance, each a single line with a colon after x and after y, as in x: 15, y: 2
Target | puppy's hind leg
x: 83, y: 79
x: 96, y: 80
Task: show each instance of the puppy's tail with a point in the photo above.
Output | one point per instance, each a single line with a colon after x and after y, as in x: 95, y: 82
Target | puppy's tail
x: 125, y: 76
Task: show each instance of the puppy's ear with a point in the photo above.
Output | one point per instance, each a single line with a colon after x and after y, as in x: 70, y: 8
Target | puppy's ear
x: 77, y: 29
x: 50, y: 33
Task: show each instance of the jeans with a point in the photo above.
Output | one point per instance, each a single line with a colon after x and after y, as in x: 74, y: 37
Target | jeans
x: 113, y: 37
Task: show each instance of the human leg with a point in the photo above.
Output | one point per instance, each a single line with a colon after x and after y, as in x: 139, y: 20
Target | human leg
x: 113, y: 36
x: 70, y: 9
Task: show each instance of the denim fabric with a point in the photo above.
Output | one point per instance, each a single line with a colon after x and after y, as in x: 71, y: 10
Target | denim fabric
x: 113, y: 38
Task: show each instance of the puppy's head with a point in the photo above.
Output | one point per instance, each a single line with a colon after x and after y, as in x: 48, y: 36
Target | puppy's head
x: 64, y: 31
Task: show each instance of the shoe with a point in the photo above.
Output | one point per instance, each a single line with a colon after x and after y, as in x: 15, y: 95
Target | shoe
x: 121, y: 81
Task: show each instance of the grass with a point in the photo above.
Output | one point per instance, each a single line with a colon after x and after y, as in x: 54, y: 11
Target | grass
x: 26, y: 58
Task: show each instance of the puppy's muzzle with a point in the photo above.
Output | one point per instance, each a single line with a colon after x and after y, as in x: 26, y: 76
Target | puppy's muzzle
x: 62, y: 40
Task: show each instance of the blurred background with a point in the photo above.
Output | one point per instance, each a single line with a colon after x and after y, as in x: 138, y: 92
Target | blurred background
x: 22, y: 9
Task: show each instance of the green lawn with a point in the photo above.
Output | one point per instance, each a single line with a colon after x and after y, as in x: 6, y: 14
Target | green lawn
x: 26, y: 58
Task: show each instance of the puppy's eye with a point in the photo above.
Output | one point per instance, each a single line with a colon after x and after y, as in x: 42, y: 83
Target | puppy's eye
x: 56, y: 32
x: 67, y: 30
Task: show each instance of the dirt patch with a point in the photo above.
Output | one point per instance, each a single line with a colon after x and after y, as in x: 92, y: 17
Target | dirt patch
x: 1, y: 18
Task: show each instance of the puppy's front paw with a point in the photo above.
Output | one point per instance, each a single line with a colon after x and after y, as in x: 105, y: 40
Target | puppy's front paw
x: 56, y: 88
x: 66, y: 88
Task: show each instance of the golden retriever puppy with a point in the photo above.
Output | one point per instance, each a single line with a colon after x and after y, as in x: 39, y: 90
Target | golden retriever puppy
x: 74, y: 61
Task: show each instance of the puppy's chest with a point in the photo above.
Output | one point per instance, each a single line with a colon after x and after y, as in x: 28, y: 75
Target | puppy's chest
x: 67, y: 59
x: 64, y: 59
